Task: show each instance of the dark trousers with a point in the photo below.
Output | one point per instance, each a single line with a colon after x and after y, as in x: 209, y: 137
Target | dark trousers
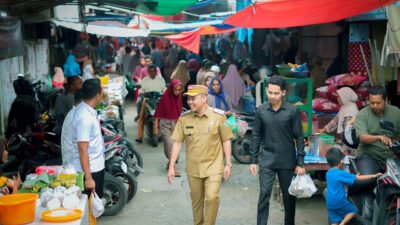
x: 98, y: 178
x: 267, y: 177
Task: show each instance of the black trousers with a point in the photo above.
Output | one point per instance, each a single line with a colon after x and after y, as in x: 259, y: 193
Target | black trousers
x: 267, y: 177
x: 98, y: 178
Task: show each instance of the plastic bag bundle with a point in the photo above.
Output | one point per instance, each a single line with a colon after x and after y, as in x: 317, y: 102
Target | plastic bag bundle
x: 97, y: 205
x: 232, y: 124
x: 243, y: 126
x: 302, y: 186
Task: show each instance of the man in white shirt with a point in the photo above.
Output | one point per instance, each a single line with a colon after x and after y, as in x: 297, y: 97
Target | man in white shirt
x: 87, y: 138
x: 67, y: 147
x: 151, y: 83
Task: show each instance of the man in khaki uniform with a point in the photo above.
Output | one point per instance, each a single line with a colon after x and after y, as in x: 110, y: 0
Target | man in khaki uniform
x: 208, y: 138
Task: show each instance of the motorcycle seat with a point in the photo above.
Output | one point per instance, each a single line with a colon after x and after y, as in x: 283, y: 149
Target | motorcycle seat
x: 108, y: 138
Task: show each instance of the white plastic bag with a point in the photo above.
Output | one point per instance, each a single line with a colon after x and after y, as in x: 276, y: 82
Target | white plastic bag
x: 302, y: 186
x: 97, y: 205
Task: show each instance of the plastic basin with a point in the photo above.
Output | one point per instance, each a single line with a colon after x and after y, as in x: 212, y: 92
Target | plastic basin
x: 17, y: 209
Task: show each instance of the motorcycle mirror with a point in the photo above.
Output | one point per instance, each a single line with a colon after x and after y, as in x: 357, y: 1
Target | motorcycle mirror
x: 387, y: 125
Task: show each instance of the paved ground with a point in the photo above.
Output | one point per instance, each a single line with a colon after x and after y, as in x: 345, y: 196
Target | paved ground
x: 157, y: 202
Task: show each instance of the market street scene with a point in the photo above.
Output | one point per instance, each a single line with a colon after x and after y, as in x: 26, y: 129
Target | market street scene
x: 204, y: 112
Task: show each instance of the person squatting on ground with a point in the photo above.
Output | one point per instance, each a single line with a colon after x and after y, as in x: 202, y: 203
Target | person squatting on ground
x: 340, y: 210
x: 278, y: 131
x: 208, y: 139
x: 168, y: 111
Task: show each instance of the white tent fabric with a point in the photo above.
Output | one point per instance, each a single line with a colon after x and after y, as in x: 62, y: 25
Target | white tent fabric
x: 103, y: 30
x: 160, y: 26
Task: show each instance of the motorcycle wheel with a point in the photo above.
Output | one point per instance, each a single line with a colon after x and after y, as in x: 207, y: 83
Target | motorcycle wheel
x: 130, y: 183
x: 115, y: 195
x: 239, y: 152
x: 136, y: 154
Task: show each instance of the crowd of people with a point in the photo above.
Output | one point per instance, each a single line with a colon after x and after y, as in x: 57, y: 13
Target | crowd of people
x: 197, y: 96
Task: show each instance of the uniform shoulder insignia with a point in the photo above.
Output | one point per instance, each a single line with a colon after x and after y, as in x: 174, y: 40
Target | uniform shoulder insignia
x: 187, y: 112
x: 219, y: 111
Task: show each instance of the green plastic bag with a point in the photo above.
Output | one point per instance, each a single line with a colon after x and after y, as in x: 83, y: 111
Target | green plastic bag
x: 233, y: 124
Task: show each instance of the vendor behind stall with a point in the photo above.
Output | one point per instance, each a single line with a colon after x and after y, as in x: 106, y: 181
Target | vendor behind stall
x: 348, y: 108
x: 65, y: 101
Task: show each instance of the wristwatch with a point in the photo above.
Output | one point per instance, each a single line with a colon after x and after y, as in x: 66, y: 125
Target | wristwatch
x: 228, y: 164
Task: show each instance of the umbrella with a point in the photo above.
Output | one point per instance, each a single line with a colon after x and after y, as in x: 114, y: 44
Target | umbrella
x: 292, y: 13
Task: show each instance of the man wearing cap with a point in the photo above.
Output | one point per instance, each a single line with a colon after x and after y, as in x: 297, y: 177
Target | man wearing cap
x: 208, y: 139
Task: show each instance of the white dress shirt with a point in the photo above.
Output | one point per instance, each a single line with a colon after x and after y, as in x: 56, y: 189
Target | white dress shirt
x: 86, y: 128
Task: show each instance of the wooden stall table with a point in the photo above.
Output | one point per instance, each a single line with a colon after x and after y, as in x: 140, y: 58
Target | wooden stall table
x: 84, y: 220
x: 316, y: 166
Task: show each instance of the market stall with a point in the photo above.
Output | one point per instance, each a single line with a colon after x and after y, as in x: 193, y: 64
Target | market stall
x: 114, y: 93
x: 52, y: 195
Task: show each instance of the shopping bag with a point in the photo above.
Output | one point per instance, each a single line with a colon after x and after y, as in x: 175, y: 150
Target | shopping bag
x: 92, y: 219
x: 97, y: 205
x: 302, y: 186
x: 233, y: 124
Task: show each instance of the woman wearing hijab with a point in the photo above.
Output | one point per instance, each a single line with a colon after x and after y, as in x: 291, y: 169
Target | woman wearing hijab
x: 194, y: 67
x: 88, y: 70
x: 234, y: 85
x: 58, y: 78
x: 181, y: 73
x: 207, y: 78
x: 348, y: 108
x: 71, y: 67
x: 167, y: 114
x: 217, y: 98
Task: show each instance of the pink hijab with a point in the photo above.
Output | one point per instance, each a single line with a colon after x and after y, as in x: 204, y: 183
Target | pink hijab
x: 234, y: 85
x: 58, y: 78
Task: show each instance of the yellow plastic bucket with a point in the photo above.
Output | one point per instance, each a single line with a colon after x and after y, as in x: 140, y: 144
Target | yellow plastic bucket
x: 17, y: 209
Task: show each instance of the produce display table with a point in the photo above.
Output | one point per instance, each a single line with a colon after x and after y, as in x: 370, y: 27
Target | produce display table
x: 84, y: 220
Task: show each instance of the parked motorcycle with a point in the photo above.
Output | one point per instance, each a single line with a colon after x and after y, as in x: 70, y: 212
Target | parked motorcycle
x: 151, y: 99
x: 385, y: 208
x: 26, y: 152
x: 136, y: 158
x: 117, y: 161
x: 46, y: 99
x: 115, y: 195
x: 241, y: 145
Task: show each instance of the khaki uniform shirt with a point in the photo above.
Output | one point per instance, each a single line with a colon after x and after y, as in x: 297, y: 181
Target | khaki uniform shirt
x: 368, y: 123
x: 203, y: 136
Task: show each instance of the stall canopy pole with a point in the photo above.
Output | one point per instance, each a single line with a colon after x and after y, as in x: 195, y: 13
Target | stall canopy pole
x: 378, y: 59
x: 366, y: 64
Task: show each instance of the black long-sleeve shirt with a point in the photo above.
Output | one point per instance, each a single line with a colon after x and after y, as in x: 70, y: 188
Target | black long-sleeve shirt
x: 276, y: 136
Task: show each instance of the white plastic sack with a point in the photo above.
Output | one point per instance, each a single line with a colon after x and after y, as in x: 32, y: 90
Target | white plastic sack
x: 302, y: 186
x: 97, y: 205
x: 242, y: 128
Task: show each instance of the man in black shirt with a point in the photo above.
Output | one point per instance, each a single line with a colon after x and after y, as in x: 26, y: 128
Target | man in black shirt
x: 278, y: 132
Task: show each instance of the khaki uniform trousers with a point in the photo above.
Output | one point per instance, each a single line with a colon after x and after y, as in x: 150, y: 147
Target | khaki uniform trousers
x: 204, y: 193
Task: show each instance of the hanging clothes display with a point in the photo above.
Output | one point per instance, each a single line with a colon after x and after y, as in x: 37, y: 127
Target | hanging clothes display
x: 359, y: 34
x: 391, y: 46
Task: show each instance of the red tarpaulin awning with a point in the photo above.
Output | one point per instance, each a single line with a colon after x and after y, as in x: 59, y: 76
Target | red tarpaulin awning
x: 188, y: 40
x: 191, y: 40
x: 293, y: 13
x: 208, y: 30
